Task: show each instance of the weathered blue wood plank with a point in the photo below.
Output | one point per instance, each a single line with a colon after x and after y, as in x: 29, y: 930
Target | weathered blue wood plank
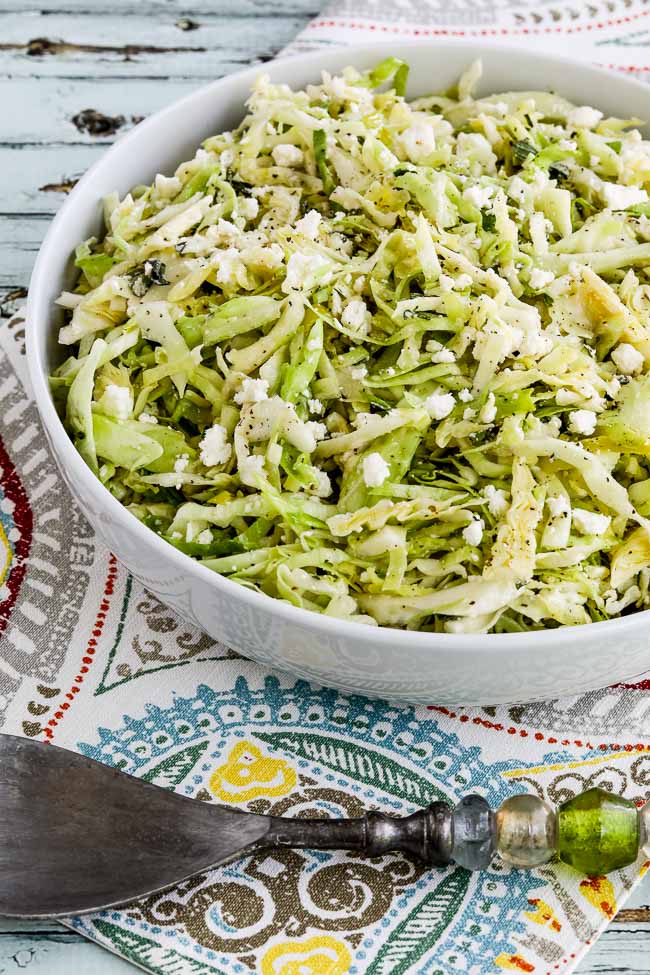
x: 56, y: 953
x: 19, y: 243
x: 35, y: 178
x: 118, y: 47
x: 624, y: 949
x: 197, y: 10
x: 48, y: 110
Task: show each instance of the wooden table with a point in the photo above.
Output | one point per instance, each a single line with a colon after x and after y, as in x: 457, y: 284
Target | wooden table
x: 73, y: 74
x: 46, y: 948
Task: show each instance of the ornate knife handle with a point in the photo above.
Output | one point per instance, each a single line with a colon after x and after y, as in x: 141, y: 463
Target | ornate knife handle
x: 595, y: 832
x: 427, y: 834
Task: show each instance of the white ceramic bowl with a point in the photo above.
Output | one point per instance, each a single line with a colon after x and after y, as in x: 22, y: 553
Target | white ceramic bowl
x: 403, y: 666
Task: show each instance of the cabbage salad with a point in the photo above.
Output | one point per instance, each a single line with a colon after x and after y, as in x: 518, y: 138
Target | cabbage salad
x: 386, y: 360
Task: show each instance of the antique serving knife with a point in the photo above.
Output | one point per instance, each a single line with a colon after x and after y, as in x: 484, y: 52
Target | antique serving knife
x: 78, y: 836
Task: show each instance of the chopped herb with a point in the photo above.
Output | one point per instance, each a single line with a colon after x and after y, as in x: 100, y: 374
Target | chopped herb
x: 416, y: 313
x: 558, y: 171
x: 522, y: 150
x: 145, y: 276
x: 488, y: 221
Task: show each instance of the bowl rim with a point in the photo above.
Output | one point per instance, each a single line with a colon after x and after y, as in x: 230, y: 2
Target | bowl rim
x: 38, y: 308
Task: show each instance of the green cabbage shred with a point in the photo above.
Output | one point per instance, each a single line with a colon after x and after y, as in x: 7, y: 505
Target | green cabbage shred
x: 386, y: 360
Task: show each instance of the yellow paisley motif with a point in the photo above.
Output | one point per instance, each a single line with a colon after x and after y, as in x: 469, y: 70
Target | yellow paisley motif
x: 543, y: 913
x: 319, y: 955
x: 5, y: 556
x: 513, y: 963
x: 599, y: 891
x: 248, y: 774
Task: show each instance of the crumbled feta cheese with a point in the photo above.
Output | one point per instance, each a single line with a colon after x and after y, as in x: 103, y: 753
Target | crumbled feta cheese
x: 558, y: 505
x: 323, y: 485
x: 117, y: 401
x: 584, y: 117
x: 223, y: 232
x: 318, y: 430
x: 356, y: 315
x: 439, y: 405
x: 619, y: 197
x: 518, y: 189
x: 465, y: 396
x: 419, y: 142
x: 148, y: 418
x: 305, y: 271
x: 473, y: 533
x: 214, y: 447
x: 536, y: 343
x: 309, y: 224
x: 359, y: 372
x: 229, y: 263
x: 582, y: 422
x: 287, y: 155
x: 180, y: 465
x: 204, y: 537
x: 443, y: 355
x: 627, y: 359
x: 469, y: 413
x: 248, y: 207
x: 252, y: 391
x: 167, y: 186
x: 567, y: 145
x: 539, y: 279
x: 590, y: 522
x: 250, y: 469
x: 497, y: 501
x: 463, y: 281
x: 446, y: 282
x: 315, y: 406
x: 488, y: 413
x: 478, y: 196
x: 375, y: 470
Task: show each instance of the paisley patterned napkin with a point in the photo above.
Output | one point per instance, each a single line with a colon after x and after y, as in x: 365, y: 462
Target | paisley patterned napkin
x: 91, y: 661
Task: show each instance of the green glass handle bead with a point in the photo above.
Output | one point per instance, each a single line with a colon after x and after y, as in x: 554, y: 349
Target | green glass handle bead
x: 595, y: 832
x: 598, y: 832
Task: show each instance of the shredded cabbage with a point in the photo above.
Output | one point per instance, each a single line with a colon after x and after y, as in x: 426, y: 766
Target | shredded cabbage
x: 385, y: 360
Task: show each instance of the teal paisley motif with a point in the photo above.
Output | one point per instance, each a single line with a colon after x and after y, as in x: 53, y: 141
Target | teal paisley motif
x: 347, y: 753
